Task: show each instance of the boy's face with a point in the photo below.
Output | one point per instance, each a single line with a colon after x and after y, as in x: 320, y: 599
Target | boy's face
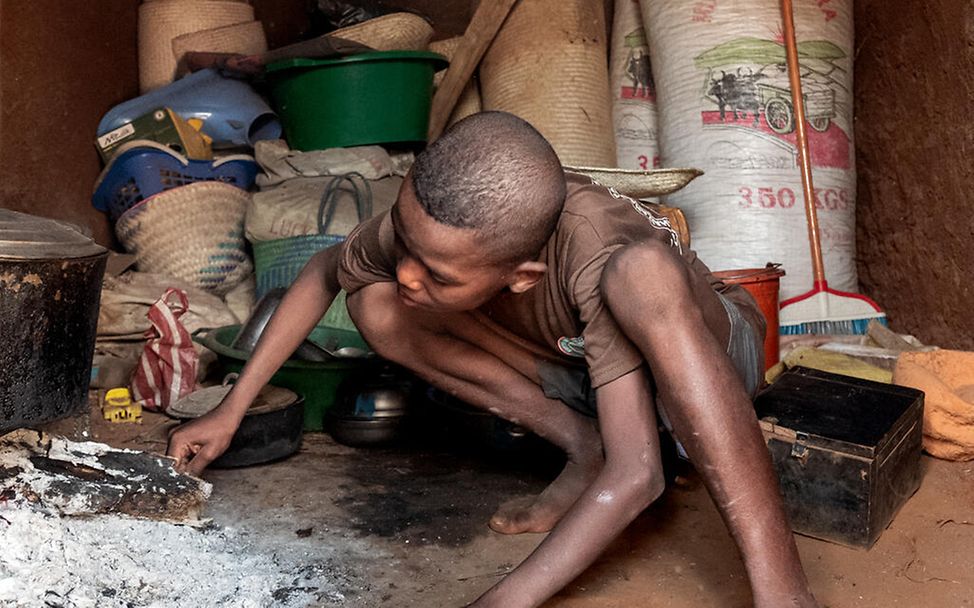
x: 440, y: 267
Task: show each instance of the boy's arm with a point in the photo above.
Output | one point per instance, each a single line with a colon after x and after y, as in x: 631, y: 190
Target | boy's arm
x: 630, y: 480
x: 196, y: 444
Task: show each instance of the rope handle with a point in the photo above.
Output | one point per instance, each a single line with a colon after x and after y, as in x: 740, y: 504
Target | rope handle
x: 361, y: 191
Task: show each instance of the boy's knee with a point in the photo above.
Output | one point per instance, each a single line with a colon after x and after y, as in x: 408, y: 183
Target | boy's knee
x: 372, y: 309
x: 393, y: 331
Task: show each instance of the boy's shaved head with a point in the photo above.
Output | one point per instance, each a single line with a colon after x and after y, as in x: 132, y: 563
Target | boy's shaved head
x: 495, y: 174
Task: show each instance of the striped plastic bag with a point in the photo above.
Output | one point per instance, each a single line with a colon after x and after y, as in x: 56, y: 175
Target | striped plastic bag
x: 167, y: 367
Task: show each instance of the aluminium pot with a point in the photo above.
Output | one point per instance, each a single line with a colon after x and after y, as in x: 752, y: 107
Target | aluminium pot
x: 50, y: 289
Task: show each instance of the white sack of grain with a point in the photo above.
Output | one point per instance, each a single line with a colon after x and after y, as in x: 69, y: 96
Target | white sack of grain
x: 633, y: 93
x: 725, y: 107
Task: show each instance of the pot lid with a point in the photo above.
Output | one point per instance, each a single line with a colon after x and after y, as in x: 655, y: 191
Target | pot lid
x: 269, y: 399
x: 28, y: 237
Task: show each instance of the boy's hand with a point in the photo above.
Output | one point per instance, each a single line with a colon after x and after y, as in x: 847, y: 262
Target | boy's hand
x: 196, y: 444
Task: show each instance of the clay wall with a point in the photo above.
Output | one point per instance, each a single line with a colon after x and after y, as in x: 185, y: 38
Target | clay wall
x: 914, y: 140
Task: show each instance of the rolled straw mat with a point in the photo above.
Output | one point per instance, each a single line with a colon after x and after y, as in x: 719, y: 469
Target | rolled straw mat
x: 247, y: 38
x: 469, y: 101
x: 161, y: 21
x: 548, y: 65
x: 392, y: 32
x: 193, y: 232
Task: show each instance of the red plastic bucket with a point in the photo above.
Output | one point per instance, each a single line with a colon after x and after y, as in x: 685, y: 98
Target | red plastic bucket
x: 762, y: 283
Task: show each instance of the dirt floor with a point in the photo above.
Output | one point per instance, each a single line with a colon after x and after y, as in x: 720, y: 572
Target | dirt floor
x: 406, y: 527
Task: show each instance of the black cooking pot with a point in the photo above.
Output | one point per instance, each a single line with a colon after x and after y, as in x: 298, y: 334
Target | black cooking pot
x: 270, y: 430
x: 50, y: 289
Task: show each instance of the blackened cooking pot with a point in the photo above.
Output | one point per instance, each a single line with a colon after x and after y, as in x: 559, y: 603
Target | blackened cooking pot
x: 50, y: 289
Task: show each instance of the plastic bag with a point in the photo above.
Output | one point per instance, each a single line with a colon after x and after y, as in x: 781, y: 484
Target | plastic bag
x: 166, y: 370
x: 335, y: 14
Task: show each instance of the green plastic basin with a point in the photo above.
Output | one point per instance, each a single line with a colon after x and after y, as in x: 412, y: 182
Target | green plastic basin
x: 316, y: 381
x: 370, y: 98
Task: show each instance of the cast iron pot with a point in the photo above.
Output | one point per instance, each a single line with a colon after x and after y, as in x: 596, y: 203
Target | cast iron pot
x: 50, y: 289
x: 271, y: 429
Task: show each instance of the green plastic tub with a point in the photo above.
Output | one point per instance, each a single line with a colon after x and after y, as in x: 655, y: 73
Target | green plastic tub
x: 370, y: 98
x: 316, y: 381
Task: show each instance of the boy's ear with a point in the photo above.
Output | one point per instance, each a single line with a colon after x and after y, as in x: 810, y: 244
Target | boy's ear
x: 526, y: 275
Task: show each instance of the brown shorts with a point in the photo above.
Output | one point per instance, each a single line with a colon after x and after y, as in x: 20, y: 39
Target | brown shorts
x: 573, y: 386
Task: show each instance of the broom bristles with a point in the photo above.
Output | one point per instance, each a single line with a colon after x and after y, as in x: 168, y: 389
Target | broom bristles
x: 828, y: 311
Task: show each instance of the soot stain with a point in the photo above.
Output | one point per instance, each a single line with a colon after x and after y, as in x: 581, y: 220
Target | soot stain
x: 429, y: 498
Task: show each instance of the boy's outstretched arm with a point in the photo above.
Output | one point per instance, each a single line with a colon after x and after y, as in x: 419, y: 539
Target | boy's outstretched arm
x: 196, y: 444
x: 630, y: 480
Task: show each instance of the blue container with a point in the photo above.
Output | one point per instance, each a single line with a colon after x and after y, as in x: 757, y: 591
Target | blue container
x: 143, y: 168
x: 233, y: 114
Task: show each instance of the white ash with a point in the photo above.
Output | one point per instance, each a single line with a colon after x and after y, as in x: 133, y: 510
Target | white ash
x: 115, y: 562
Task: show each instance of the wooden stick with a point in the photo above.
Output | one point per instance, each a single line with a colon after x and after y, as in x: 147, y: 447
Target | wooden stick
x: 484, y: 25
x: 804, y: 157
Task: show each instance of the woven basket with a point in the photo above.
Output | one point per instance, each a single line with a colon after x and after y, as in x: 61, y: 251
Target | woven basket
x: 469, y: 101
x: 392, y: 32
x: 193, y: 233
x: 548, y: 65
x: 247, y: 38
x: 162, y: 21
x: 637, y: 183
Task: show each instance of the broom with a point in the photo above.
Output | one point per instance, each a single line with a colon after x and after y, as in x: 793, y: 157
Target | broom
x: 822, y: 310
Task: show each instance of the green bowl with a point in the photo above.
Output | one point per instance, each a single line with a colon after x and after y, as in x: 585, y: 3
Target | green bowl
x: 369, y: 98
x: 317, y: 382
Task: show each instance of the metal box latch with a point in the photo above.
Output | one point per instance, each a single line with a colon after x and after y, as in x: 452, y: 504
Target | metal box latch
x: 799, y: 449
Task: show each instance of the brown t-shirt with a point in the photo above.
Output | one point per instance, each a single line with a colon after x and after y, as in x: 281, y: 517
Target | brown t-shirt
x: 563, y: 315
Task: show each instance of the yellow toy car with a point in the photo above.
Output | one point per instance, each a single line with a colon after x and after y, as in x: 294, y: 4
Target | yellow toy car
x: 118, y: 407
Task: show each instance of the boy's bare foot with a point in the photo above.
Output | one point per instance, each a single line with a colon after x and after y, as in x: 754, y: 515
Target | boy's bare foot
x: 540, y: 514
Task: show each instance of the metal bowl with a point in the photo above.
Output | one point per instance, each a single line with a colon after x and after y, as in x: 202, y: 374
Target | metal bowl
x: 371, y: 407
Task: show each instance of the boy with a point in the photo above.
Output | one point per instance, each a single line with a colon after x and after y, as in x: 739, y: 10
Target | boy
x: 494, y: 277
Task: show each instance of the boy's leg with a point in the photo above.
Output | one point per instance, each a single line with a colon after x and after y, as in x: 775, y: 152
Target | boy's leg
x: 677, y: 322
x: 456, y: 353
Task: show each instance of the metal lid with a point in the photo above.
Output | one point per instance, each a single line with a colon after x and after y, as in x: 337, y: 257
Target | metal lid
x: 269, y: 399
x: 28, y: 237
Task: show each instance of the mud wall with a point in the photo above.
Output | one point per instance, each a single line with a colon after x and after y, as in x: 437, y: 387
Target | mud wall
x: 914, y: 140
x: 62, y: 65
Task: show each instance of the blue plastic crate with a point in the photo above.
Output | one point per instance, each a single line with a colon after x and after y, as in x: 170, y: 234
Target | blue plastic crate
x: 143, y: 168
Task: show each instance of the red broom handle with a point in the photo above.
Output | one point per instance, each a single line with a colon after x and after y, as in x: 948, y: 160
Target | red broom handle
x: 804, y: 158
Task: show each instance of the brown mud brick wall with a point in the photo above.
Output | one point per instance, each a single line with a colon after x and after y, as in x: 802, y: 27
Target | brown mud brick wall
x: 62, y: 66
x: 914, y: 144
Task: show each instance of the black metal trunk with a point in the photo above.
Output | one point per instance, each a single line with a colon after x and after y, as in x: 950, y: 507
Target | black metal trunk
x: 847, y: 451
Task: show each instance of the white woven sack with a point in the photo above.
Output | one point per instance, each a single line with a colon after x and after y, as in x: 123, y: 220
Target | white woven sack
x: 291, y: 208
x: 725, y: 107
x: 633, y: 92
